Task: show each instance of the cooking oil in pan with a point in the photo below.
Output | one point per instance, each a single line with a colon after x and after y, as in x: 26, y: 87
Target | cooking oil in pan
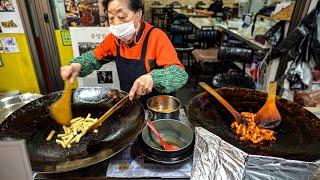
x: 169, y: 137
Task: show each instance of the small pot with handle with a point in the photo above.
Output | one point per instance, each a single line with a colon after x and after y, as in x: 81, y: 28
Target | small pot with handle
x: 163, y: 107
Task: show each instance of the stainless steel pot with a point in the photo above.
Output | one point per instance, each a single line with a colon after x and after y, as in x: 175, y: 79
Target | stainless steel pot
x: 171, y: 131
x: 158, y: 104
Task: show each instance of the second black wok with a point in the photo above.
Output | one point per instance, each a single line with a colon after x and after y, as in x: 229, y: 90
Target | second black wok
x: 298, y: 136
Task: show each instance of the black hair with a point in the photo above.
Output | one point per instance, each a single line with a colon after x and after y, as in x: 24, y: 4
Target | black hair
x: 133, y: 5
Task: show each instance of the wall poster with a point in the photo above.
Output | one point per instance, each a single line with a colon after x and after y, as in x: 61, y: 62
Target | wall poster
x: 66, y: 38
x: 10, y: 21
x: 1, y: 48
x: 10, y: 45
x: 85, y: 39
x: 84, y: 13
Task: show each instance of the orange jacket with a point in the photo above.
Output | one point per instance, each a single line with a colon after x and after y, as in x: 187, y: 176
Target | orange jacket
x: 159, y: 49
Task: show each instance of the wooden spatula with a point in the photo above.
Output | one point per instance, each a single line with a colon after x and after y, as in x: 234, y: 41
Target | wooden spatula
x: 239, y: 118
x: 108, y: 113
x: 61, y: 109
x: 268, y: 116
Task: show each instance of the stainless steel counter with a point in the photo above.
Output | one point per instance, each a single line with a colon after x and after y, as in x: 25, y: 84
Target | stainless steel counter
x: 9, y: 104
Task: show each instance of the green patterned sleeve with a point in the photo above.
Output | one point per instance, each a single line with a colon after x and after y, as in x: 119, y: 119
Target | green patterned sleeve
x: 169, y: 79
x: 88, y: 61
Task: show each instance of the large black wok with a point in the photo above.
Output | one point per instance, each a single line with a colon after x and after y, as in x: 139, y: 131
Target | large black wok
x: 298, y: 135
x: 33, y: 123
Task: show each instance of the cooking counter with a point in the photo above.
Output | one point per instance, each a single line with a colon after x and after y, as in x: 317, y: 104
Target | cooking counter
x: 123, y: 164
x: 101, y: 171
x: 131, y: 162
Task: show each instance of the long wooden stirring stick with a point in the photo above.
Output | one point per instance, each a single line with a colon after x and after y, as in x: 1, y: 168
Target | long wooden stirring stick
x: 239, y: 118
x: 108, y: 113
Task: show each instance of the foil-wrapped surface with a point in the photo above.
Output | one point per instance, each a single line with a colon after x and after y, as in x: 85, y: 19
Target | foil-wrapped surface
x: 214, y: 158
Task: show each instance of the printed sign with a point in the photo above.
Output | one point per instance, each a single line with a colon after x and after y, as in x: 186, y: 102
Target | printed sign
x: 85, y: 13
x: 66, y: 38
x: 10, y: 20
x: 85, y: 39
x: 10, y: 45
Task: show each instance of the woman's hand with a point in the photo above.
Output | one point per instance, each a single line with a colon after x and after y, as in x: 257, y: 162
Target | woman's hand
x: 70, y: 72
x: 141, y: 86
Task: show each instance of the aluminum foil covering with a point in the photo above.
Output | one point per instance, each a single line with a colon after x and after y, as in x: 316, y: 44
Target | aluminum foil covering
x: 214, y: 158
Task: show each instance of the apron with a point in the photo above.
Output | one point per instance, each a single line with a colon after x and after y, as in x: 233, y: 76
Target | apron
x: 129, y: 70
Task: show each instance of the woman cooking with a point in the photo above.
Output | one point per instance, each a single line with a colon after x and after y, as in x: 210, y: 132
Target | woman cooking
x: 147, y: 62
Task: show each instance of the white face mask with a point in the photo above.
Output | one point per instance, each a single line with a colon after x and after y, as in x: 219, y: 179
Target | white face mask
x: 124, y: 31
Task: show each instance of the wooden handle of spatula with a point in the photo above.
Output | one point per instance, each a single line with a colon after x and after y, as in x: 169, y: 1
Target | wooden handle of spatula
x: 272, y: 91
x: 108, y: 113
x: 221, y: 100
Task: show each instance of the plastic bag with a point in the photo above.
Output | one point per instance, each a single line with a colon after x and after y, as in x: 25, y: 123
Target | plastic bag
x: 315, y: 41
x: 275, y: 34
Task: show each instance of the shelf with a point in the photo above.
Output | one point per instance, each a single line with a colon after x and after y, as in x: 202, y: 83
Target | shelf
x: 285, y: 14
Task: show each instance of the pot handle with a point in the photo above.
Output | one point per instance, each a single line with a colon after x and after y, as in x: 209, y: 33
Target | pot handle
x: 150, y: 115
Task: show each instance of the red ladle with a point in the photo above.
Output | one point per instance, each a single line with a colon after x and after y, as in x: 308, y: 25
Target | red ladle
x: 166, y: 146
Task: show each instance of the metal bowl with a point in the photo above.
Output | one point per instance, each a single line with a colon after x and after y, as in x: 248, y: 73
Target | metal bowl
x: 158, y: 107
x: 172, y: 132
